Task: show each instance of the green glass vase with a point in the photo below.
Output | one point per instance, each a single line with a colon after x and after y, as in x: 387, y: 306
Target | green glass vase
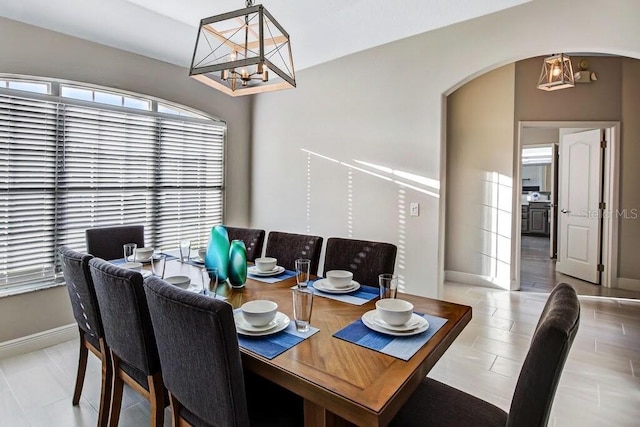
x: 218, y: 252
x: 237, y: 264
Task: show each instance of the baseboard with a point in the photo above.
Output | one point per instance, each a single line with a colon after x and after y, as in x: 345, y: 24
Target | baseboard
x: 38, y: 341
x: 629, y: 284
x: 475, y: 280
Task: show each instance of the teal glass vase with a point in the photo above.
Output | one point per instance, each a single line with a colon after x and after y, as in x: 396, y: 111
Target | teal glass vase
x: 218, y: 252
x: 237, y: 263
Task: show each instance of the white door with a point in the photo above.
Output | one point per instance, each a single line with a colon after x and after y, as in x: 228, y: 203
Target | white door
x: 578, y: 203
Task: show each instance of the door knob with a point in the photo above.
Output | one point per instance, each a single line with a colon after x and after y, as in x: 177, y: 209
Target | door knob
x: 564, y: 211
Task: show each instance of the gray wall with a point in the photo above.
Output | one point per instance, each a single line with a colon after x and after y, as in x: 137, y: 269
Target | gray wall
x: 28, y: 50
x: 479, y: 178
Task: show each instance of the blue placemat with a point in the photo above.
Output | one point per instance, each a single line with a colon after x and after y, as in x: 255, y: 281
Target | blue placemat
x: 270, y: 346
x: 401, y: 347
x: 122, y: 260
x: 362, y: 296
x: 273, y: 279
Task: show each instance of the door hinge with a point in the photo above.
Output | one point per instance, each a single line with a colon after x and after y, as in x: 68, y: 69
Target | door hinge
x: 603, y: 143
x: 600, y: 267
x: 602, y: 205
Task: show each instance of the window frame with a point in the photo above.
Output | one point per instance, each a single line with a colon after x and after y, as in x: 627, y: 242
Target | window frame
x: 187, y: 115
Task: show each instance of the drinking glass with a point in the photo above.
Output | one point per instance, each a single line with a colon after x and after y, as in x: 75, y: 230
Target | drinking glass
x: 185, y: 250
x: 158, y: 262
x: 303, y: 267
x: 129, y: 251
x: 302, y: 307
x: 388, y: 285
x: 210, y: 281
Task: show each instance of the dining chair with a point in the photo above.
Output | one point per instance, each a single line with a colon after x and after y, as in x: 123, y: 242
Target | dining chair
x: 253, y: 240
x: 435, y: 403
x: 201, y: 364
x: 288, y: 247
x: 75, y: 267
x: 365, y: 259
x: 129, y: 334
x: 106, y: 242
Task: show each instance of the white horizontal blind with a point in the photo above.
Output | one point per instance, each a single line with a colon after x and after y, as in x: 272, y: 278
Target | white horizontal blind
x: 65, y: 168
x: 27, y: 189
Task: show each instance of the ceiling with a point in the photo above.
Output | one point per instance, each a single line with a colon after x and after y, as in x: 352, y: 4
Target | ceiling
x: 320, y: 30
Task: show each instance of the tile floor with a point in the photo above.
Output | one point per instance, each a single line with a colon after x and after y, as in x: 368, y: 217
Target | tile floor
x: 600, y: 385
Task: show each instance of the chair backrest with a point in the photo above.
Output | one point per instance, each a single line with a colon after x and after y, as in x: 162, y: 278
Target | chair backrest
x: 125, y: 315
x: 288, y: 247
x: 75, y: 267
x: 547, y: 354
x: 365, y: 259
x: 253, y: 240
x: 106, y: 242
x: 198, y: 347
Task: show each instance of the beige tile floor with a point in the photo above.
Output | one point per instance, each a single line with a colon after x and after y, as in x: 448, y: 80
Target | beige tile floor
x: 599, y: 386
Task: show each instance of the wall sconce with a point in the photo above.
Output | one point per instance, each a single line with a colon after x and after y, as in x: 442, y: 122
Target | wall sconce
x: 556, y: 73
x: 583, y: 75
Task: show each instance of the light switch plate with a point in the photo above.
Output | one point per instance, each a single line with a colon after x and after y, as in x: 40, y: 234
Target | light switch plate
x: 415, y: 209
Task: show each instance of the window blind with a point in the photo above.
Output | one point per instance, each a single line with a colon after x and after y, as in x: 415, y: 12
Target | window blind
x: 65, y: 168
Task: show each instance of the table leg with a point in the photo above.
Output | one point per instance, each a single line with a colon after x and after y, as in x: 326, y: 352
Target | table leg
x: 316, y: 416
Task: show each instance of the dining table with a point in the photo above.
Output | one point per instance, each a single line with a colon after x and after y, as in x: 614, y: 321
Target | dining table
x: 341, y: 383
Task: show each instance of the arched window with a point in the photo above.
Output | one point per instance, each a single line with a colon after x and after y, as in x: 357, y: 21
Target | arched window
x: 74, y: 157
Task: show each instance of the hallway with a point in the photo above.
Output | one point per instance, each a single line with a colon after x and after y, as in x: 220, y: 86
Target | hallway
x: 538, y: 272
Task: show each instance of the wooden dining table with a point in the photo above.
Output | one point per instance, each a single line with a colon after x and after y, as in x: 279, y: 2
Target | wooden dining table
x: 341, y: 383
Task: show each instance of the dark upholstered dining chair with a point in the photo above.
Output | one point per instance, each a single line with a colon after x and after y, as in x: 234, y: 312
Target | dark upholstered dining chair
x: 365, y: 259
x: 253, y: 239
x: 434, y: 403
x: 202, y: 368
x: 106, y: 242
x: 288, y: 247
x: 129, y: 335
x: 75, y: 267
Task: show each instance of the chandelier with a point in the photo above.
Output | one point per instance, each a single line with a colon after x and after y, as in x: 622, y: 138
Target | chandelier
x: 556, y: 73
x: 243, y: 52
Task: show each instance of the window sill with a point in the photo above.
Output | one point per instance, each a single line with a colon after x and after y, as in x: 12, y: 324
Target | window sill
x: 25, y: 289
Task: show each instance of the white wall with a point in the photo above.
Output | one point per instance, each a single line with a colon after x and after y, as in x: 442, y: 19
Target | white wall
x: 385, y: 106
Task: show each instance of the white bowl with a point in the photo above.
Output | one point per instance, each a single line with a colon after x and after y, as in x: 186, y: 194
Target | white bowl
x: 137, y: 266
x: 144, y: 253
x: 393, y: 311
x: 339, y: 278
x: 180, y: 281
x: 266, y: 264
x: 202, y: 253
x: 259, y: 312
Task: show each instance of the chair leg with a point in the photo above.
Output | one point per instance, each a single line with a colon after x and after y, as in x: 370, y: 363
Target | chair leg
x: 107, y: 383
x: 156, y: 398
x: 175, y: 411
x: 116, y: 391
x: 82, y: 368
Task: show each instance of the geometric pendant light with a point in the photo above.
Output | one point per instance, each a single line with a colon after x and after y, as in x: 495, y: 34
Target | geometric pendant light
x: 557, y: 73
x: 243, y: 52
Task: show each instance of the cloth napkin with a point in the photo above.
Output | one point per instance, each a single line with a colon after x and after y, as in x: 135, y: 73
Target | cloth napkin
x: 273, y: 279
x: 270, y: 346
x: 359, y: 297
x: 400, y: 347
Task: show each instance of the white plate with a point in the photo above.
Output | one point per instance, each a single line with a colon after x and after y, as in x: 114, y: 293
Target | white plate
x: 145, y: 273
x: 368, y: 321
x: 138, y: 259
x: 280, y: 322
x: 325, y: 286
x: 254, y: 271
x: 414, y: 322
x: 180, y: 281
x: 197, y: 260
